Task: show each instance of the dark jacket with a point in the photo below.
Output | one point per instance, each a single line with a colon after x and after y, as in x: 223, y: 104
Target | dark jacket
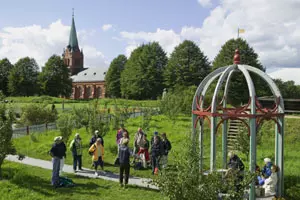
x: 58, y: 150
x: 124, y: 155
x: 157, y: 149
x: 94, y: 139
x: 236, y: 163
x: 166, y: 146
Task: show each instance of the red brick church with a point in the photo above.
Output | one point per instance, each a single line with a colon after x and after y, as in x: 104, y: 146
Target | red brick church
x: 88, y: 83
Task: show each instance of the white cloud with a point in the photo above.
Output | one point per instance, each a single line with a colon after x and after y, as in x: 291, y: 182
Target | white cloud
x: 40, y: 43
x: 106, y: 27
x: 287, y: 74
x: 205, y: 3
x: 272, y: 29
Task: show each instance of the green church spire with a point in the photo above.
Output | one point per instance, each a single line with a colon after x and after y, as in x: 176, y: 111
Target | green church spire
x: 73, y: 42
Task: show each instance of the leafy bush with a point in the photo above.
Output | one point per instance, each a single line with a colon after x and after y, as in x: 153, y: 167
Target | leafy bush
x: 184, y: 182
x: 6, y: 132
x: 178, y: 102
x: 37, y: 114
x: 65, y: 123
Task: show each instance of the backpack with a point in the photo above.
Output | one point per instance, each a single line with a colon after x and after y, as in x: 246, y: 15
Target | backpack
x: 65, y: 182
x: 92, y: 152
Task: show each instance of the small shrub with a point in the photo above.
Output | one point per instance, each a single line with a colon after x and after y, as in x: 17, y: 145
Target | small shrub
x: 65, y: 124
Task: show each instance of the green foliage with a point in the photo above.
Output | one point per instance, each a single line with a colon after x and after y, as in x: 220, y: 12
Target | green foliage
x: 2, y: 96
x: 113, y: 76
x: 142, y: 77
x: 34, y: 114
x: 238, y: 90
x: 55, y: 78
x: 6, y: 132
x: 243, y: 141
x: 187, y: 66
x: 22, y: 79
x: 178, y: 101
x: 65, y: 123
x: 184, y: 182
x: 81, y: 117
x: 5, y: 68
x: 288, y: 89
x: 98, y: 120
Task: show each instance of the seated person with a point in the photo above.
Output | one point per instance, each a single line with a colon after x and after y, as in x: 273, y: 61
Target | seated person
x: 236, y: 164
x: 271, y: 182
x: 266, y: 171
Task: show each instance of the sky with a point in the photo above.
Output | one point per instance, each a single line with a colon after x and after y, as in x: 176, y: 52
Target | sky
x: 107, y: 28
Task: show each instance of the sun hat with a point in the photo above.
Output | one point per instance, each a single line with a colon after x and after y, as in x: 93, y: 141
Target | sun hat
x: 267, y: 160
x: 96, y: 131
x: 77, y: 134
x: 58, y: 138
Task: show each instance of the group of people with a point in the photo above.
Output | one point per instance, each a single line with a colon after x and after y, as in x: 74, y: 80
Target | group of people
x: 266, y: 177
x: 154, y: 153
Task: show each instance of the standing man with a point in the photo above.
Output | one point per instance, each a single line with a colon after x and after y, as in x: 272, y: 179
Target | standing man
x: 96, y: 135
x: 119, y: 136
x: 124, y: 157
x: 76, y: 149
x: 57, y: 152
x: 166, y: 148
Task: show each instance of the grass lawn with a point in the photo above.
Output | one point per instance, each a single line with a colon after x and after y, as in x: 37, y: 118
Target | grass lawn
x: 32, y: 183
x: 38, y: 145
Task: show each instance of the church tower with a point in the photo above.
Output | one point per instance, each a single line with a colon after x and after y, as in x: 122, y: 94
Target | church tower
x: 72, y: 55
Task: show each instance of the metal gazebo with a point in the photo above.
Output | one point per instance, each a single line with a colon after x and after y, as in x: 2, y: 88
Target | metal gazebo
x: 251, y: 115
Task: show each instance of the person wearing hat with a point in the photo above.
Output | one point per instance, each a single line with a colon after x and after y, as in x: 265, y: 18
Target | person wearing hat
x: 58, y: 151
x: 124, y: 159
x: 96, y: 135
x: 76, y: 149
x: 97, y: 150
x: 266, y: 171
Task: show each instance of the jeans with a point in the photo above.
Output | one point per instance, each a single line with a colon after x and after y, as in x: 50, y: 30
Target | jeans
x: 77, y: 159
x: 55, y: 171
x: 155, y: 163
x: 126, y: 168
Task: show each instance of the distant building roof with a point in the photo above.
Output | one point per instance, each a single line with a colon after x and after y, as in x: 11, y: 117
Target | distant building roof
x: 95, y: 74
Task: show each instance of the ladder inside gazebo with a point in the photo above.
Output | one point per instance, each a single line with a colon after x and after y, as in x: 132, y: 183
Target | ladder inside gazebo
x: 234, y: 126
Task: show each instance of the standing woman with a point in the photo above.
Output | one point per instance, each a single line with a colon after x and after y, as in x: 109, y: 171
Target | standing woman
x: 97, y: 150
x: 76, y: 148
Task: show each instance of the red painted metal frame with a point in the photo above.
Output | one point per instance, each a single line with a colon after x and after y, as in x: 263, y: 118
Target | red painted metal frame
x: 239, y: 113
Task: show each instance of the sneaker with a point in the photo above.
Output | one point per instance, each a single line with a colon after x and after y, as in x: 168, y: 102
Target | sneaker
x: 96, y: 174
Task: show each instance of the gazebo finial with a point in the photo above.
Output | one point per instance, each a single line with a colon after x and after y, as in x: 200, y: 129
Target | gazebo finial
x: 236, y: 58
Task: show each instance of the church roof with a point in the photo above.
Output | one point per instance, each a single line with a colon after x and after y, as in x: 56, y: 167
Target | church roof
x: 93, y: 74
x: 73, y: 41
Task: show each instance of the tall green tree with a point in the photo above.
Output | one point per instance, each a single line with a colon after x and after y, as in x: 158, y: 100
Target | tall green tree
x: 55, y: 78
x: 187, y: 65
x: 238, y: 92
x: 5, y: 68
x: 113, y: 76
x: 288, y: 89
x: 142, y: 77
x: 22, y: 79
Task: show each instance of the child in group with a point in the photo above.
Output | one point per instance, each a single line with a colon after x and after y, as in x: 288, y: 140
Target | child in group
x: 97, y: 150
x: 144, y: 149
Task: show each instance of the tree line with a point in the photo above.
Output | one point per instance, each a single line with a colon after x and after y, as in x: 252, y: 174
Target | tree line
x: 25, y: 79
x: 148, y: 70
